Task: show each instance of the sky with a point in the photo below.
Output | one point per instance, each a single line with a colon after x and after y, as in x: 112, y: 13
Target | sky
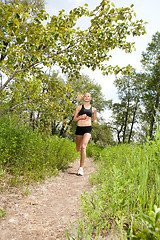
x: 145, y: 9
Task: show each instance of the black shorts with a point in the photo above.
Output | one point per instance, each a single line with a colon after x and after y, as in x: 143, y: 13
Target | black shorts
x: 81, y: 130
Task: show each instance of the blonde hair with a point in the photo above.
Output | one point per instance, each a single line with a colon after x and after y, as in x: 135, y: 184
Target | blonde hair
x: 80, y: 97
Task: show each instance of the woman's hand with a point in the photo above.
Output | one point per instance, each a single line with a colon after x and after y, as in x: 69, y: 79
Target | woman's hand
x: 83, y: 116
x: 95, y: 121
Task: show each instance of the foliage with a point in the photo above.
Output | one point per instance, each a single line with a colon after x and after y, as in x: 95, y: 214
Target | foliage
x: 84, y: 85
x: 36, y: 5
x: 127, y: 184
x: 102, y: 135
x: 40, y: 100
x: 27, y: 44
x: 93, y: 150
x: 26, y: 155
x: 151, y: 98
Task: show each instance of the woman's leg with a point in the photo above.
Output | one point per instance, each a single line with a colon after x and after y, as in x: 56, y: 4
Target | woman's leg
x: 85, y: 139
x: 78, y: 142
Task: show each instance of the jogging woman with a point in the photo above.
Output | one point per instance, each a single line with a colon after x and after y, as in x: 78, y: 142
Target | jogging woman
x: 83, y: 116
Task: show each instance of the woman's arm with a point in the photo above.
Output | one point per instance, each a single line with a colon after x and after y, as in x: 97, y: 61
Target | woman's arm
x: 95, y: 116
x: 76, y: 117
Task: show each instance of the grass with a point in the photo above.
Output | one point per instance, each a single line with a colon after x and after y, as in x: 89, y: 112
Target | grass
x: 127, y: 188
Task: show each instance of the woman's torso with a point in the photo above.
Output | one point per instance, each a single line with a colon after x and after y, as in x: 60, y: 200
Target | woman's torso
x: 88, y: 112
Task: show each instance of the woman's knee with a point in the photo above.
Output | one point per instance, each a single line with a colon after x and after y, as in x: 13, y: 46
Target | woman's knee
x: 78, y: 149
x: 84, y: 146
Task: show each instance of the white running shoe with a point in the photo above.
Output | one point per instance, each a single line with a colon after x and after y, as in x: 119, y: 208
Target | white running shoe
x: 80, y: 171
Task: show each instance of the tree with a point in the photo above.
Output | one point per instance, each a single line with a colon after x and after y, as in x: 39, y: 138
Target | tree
x: 151, y: 64
x: 125, y: 113
x: 26, y: 43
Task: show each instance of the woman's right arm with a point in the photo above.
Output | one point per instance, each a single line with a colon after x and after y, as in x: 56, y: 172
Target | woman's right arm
x: 76, y: 117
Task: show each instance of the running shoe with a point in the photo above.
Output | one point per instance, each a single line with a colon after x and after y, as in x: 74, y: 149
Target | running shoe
x: 80, y: 171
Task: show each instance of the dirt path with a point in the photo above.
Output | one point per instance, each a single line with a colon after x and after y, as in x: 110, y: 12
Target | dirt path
x: 48, y: 210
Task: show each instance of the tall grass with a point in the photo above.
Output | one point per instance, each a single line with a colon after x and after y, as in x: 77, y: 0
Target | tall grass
x: 26, y: 155
x: 127, y: 186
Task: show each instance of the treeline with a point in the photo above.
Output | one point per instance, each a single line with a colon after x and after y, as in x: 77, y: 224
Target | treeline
x: 48, y: 104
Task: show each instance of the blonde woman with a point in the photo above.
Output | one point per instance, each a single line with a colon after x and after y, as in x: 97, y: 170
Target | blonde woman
x: 82, y: 116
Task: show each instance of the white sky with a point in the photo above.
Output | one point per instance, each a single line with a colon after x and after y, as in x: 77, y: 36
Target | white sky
x: 147, y: 10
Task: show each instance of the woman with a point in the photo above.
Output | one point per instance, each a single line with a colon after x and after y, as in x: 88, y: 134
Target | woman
x: 83, y: 116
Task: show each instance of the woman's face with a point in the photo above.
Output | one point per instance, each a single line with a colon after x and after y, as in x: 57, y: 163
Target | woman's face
x: 87, y: 97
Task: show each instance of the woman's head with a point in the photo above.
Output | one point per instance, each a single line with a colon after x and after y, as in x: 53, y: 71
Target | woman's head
x: 87, y: 97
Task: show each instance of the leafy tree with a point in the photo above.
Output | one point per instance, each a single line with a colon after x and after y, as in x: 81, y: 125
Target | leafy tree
x: 151, y: 64
x: 26, y: 43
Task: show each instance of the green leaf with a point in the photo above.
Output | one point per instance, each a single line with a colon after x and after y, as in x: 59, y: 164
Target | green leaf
x: 112, y: 4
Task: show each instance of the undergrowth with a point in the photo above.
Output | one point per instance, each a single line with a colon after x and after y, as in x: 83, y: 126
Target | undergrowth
x: 27, y: 155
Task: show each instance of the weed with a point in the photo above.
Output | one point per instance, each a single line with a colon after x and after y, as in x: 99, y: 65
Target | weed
x: 2, y: 212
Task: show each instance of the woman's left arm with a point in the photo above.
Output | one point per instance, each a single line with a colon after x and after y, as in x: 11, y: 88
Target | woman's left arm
x: 95, y: 116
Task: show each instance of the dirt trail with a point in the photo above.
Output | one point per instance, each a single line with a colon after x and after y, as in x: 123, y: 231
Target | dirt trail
x: 48, y: 210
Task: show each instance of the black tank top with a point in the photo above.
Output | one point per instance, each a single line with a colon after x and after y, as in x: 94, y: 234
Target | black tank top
x: 88, y: 112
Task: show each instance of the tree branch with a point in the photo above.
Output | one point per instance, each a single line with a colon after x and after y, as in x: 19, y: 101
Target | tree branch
x: 14, y: 73
x: 17, y: 105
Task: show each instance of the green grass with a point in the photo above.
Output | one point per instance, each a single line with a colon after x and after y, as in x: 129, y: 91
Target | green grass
x: 127, y: 186
x: 27, y: 156
x: 2, y: 212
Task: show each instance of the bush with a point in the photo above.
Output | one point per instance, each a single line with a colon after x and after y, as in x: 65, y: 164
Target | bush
x: 94, y: 150
x: 29, y: 154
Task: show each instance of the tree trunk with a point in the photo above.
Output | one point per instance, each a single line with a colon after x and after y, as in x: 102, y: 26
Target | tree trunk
x: 133, y: 121
x: 126, y: 121
x: 53, y: 127
x: 118, y: 134
x: 32, y: 120
x: 153, y: 116
x: 37, y: 119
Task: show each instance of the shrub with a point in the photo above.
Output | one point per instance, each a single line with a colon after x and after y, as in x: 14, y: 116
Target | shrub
x: 29, y: 154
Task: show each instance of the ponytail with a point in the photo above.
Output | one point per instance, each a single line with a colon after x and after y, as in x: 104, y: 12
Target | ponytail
x: 80, y: 97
